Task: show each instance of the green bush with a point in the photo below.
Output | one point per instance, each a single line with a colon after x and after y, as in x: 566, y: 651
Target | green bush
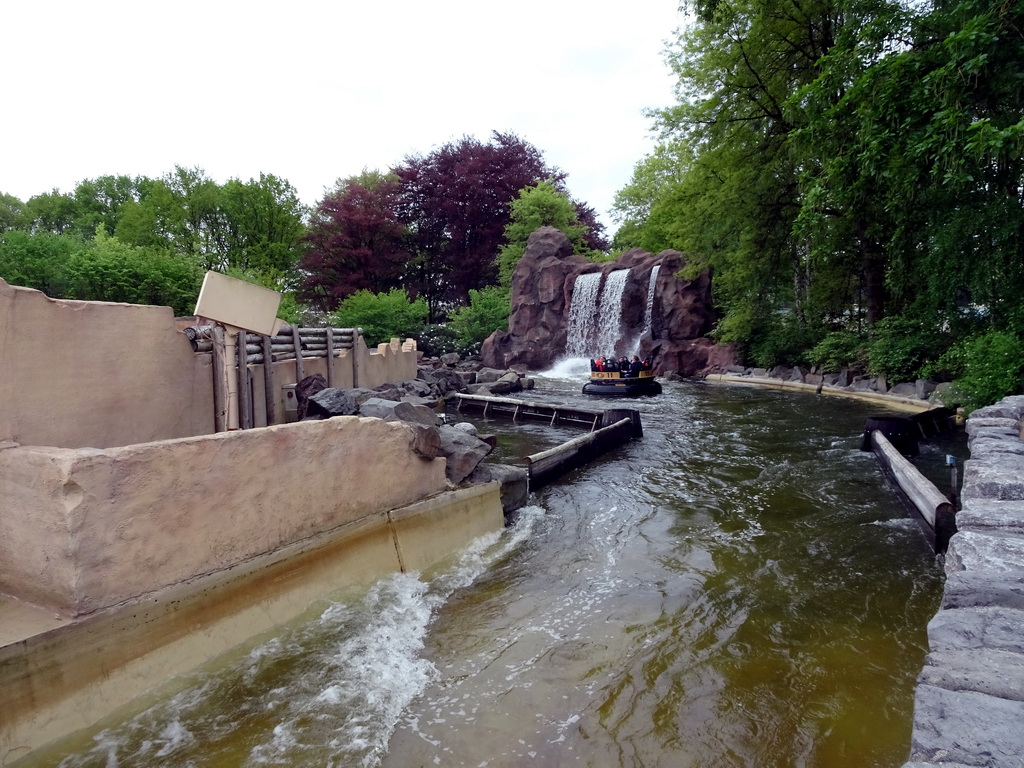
x: 986, y: 368
x: 437, y: 340
x: 108, y: 270
x: 781, y: 341
x: 839, y: 350
x: 487, y: 312
x: 382, y: 316
x: 901, y: 346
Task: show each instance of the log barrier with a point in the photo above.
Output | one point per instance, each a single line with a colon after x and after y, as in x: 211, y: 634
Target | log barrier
x: 553, y: 463
x: 607, y: 429
x: 934, y: 509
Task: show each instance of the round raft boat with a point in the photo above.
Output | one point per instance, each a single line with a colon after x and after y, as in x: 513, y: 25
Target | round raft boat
x: 615, y: 384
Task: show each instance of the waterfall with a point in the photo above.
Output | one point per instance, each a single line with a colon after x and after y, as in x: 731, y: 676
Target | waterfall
x: 582, y: 314
x: 595, y: 315
x: 609, y: 314
x: 648, y: 315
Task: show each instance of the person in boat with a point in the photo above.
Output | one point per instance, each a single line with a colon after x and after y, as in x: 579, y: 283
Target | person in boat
x: 634, y: 366
x: 610, y: 364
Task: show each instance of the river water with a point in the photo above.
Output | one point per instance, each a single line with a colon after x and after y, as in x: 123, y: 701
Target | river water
x: 738, y: 588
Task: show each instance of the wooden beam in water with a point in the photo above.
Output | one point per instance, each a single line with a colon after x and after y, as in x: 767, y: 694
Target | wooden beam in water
x: 929, y: 502
x: 515, y: 410
x: 555, y: 462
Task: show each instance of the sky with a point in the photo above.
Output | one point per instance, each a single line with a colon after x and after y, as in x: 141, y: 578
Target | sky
x: 314, y: 91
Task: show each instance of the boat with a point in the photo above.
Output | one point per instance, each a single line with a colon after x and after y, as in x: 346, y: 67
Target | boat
x: 614, y: 384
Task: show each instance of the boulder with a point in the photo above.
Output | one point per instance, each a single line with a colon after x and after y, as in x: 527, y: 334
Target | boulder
x: 463, y: 451
x: 304, y: 390
x: 377, y: 408
x: 332, y: 402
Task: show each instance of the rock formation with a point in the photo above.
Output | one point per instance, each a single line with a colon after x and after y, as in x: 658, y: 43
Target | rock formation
x: 542, y: 294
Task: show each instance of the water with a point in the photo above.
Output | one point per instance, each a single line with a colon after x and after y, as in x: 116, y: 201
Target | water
x: 595, y: 315
x: 582, y: 315
x: 609, y: 315
x: 738, y: 588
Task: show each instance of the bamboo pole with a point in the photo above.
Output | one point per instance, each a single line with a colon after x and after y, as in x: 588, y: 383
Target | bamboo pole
x: 231, y: 341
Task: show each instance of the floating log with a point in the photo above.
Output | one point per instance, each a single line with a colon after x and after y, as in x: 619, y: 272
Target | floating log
x: 547, y: 465
x: 933, y: 508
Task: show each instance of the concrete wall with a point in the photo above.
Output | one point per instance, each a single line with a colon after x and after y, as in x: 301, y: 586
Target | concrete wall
x: 85, y: 529
x: 87, y: 373
x: 71, y: 677
x: 394, y: 361
x: 81, y: 374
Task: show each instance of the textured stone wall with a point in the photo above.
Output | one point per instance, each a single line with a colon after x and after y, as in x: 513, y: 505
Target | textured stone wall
x: 84, y: 529
x: 969, y: 703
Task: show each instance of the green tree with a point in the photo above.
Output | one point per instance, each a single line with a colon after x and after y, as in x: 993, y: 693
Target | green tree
x: 382, y: 316
x: 724, y: 185
x: 37, y: 260
x: 13, y: 214
x: 51, y: 212
x: 264, y: 224
x: 540, y: 205
x: 109, y: 270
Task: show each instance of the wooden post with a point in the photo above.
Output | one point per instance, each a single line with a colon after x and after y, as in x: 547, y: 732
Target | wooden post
x: 244, y: 399
x: 330, y: 356
x: 220, y: 395
x: 299, y: 375
x: 269, y: 395
x: 359, y: 353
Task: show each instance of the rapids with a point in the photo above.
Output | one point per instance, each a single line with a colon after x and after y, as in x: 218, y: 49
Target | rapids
x: 737, y: 588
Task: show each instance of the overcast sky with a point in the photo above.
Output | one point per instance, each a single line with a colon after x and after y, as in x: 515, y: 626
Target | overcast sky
x: 317, y: 90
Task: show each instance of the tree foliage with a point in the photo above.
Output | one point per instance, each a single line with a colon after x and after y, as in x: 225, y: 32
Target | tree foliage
x: 487, y: 312
x: 540, y: 205
x: 382, y: 316
x: 355, y: 241
x: 454, y: 203
x: 843, y: 165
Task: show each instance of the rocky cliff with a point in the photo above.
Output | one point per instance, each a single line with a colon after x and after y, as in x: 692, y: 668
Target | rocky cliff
x: 542, y: 294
